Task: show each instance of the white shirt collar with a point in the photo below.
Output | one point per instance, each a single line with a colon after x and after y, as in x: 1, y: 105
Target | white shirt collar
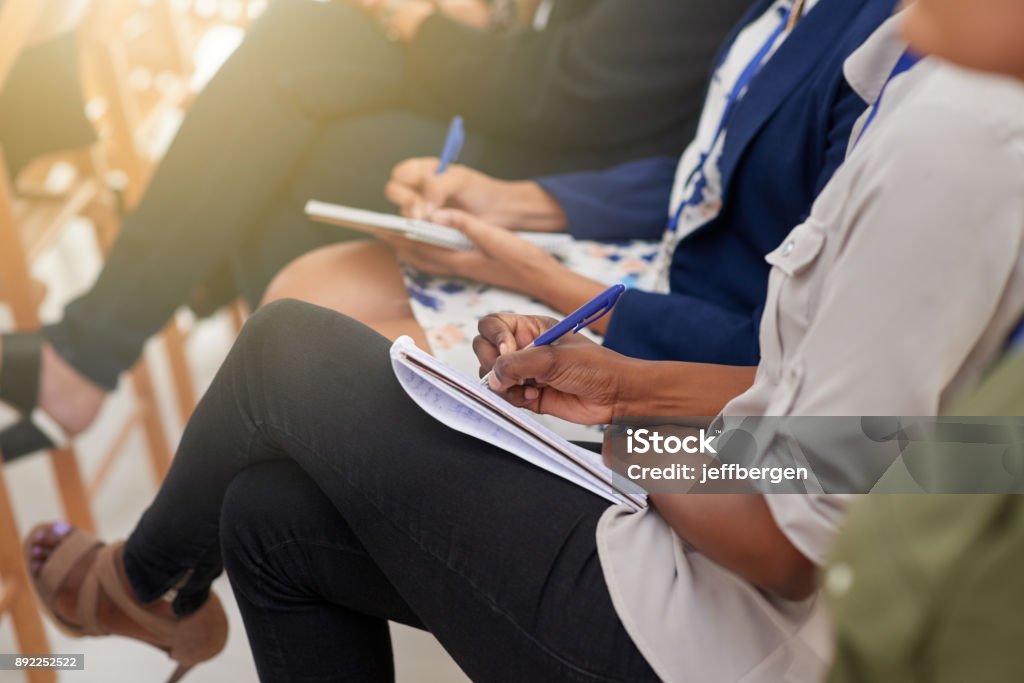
x: 868, y: 68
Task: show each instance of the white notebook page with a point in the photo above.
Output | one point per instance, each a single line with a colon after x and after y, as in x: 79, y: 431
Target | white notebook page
x: 462, y: 404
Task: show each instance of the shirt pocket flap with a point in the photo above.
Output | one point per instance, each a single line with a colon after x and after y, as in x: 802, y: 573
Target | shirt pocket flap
x: 800, y: 248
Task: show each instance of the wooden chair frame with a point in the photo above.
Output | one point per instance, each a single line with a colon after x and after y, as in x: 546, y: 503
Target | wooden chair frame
x: 16, y: 21
x: 16, y: 597
x: 24, y: 233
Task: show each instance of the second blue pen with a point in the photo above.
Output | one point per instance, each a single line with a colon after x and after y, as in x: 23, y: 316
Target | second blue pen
x: 452, y: 145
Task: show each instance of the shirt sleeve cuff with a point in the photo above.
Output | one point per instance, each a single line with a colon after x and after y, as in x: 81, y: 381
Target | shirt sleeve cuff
x: 811, y: 522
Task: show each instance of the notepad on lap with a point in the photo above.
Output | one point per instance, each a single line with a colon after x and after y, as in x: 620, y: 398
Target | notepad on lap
x: 421, y: 231
x: 461, y: 403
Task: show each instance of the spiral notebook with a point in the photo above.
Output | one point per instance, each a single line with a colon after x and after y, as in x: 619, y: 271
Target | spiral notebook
x: 461, y: 403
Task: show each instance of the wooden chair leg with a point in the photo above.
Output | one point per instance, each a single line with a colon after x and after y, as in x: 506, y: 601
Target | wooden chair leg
x: 15, y: 277
x: 108, y: 69
x: 107, y: 224
x: 17, y: 284
x: 104, y: 212
x: 181, y: 375
x: 20, y: 602
x: 152, y: 424
x: 74, y: 495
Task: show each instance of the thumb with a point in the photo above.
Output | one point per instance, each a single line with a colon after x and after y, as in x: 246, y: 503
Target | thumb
x: 413, y: 172
x: 408, y: 200
x: 487, y: 237
x: 499, y: 331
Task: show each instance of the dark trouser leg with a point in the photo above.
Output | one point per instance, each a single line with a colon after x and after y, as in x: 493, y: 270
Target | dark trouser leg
x: 286, y: 562
x: 350, y: 164
x: 302, y: 65
x: 494, y: 556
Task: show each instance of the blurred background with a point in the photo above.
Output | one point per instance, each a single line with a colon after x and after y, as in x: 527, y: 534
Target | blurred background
x: 142, y: 62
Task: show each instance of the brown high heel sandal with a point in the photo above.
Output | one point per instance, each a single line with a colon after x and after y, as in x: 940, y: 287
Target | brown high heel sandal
x: 188, y: 641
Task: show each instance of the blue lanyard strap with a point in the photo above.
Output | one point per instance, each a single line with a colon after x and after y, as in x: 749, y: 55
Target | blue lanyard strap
x: 908, y: 60
x: 735, y: 95
x: 1017, y: 339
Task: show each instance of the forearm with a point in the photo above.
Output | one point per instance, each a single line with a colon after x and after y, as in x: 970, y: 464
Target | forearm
x: 676, y: 389
x: 565, y: 290
x: 738, y: 532
x: 524, y: 205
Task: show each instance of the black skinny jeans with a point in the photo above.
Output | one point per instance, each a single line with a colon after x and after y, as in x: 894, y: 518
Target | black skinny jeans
x: 407, y: 520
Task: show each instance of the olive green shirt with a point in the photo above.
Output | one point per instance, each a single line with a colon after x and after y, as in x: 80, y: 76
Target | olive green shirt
x: 928, y: 588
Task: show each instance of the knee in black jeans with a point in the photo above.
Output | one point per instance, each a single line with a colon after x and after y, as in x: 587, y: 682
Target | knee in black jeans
x: 272, y: 382
x: 250, y: 528
x: 288, y: 347
x: 301, y: 576
x: 271, y: 514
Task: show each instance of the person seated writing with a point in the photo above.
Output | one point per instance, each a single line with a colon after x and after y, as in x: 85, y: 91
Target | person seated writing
x: 776, y: 124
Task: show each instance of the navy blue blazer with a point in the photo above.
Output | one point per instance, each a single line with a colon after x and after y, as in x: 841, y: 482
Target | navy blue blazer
x: 787, y: 137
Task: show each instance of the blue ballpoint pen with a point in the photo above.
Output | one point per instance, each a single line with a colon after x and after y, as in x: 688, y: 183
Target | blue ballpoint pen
x: 587, y: 314
x: 452, y: 145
